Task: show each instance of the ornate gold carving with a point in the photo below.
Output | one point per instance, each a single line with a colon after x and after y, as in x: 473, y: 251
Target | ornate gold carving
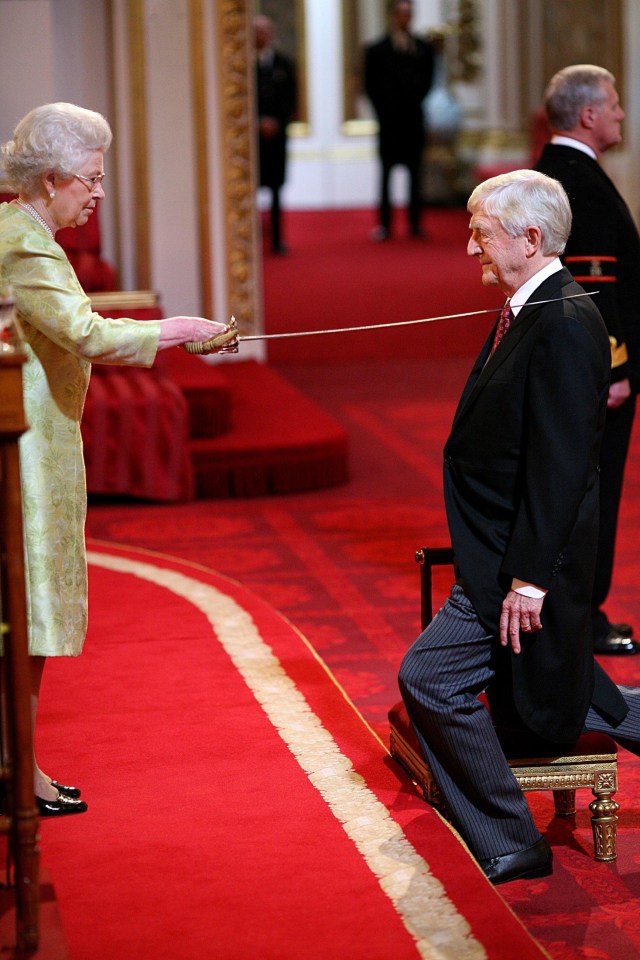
x: 135, y: 13
x: 604, y: 825
x: 562, y: 775
x: 552, y: 780
x: 606, y: 780
x: 199, y: 84
x: 235, y: 100
x: 467, y: 62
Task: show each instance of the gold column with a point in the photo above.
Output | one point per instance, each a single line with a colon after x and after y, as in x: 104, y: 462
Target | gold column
x: 236, y: 112
x: 198, y: 73
x: 135, y: 12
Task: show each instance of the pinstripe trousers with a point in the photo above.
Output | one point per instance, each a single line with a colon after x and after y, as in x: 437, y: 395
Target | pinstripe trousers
x: 440, y: 679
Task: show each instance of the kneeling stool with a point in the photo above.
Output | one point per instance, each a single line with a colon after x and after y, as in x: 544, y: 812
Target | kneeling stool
x: 592, y: 763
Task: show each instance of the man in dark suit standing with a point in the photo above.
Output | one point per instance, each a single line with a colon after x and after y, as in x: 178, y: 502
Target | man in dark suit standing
x: 603, y: 254
x: 521, y: 494
x: 276, y: 103
x: 398, y: 70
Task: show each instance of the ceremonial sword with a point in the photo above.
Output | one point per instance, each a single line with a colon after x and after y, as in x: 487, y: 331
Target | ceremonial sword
x: 227, y: 342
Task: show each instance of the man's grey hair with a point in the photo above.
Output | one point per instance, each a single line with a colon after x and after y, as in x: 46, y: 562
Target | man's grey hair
x: 572, y: 89
x: 526, y: 198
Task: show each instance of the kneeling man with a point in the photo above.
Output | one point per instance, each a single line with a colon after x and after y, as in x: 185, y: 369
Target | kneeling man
x: 521, y: 494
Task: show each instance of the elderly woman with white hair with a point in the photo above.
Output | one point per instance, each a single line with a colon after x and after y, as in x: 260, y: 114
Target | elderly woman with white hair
x: 56, y: 164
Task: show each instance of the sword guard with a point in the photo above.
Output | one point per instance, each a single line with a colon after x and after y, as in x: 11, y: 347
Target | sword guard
x: 225, y: 342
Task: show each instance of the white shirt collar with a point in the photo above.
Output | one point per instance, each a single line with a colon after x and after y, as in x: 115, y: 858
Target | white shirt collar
x: 576, y: 144
x: 523, y: 293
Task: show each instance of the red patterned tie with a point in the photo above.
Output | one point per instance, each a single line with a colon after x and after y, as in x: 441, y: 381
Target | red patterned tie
x: 504, y: 322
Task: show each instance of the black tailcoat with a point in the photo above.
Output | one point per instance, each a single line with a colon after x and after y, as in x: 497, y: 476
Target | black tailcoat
x: 397, y: 82
x: 276, y: 97
x: 521, y: 493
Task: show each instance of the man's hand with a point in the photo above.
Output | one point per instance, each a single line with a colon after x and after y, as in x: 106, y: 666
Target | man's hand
x: 519, y: 613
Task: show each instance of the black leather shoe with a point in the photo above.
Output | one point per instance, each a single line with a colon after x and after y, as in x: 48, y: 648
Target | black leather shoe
x: 624, y: 629
x: 73, y: 792
x: 535, y: 861
x: 60, y: 807
x: 615, y: 644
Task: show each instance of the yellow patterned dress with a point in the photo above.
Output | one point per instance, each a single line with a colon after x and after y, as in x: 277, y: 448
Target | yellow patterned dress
x: 63, y: 338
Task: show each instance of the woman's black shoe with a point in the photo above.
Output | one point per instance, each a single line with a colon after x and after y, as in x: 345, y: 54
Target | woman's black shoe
x: 60, y: 807
x: 73, y: 792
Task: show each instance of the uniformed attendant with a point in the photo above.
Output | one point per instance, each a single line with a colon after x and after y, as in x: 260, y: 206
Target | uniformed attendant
x: 603, y: 253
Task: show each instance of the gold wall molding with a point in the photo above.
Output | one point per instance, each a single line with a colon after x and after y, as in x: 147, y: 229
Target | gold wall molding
x: 198, y: 79
x: 138, y: 99
x: 235, y: 98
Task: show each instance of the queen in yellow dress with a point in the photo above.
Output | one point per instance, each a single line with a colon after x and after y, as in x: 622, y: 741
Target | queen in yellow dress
x: 55, y: 162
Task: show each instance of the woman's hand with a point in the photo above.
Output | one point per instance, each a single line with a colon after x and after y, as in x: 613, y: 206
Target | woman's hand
x: 178, y: 331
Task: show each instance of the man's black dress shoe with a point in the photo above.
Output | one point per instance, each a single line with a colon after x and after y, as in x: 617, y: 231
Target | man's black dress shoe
x: 616, y: 644
x: 535, y: 861
x: 60, y: 807
x: 73, y: 792
x: 624, y: 629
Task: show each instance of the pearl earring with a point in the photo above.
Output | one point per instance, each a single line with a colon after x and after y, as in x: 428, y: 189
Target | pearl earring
x: 52, y: 194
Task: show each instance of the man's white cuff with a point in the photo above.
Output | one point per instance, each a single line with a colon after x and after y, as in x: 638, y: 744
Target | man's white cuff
x: 527, y: 589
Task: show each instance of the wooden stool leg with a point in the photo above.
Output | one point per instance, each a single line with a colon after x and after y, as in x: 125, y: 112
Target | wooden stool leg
x: 564, y: 802
x: 604, y: 823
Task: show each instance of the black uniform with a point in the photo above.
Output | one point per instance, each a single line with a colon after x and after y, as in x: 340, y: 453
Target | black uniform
x: 397, y: 81
x: 603, y: 254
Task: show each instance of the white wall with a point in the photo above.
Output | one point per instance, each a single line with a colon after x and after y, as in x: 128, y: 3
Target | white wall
x: 171, y: 171
x: 26, y: 28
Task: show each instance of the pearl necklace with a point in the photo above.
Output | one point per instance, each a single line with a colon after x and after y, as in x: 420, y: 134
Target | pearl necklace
x: 36, y: 216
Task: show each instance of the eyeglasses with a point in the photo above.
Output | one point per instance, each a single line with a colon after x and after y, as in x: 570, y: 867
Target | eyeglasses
x: 91, y: 182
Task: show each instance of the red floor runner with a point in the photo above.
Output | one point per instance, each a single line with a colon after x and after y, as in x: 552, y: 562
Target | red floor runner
x: 205, y: 837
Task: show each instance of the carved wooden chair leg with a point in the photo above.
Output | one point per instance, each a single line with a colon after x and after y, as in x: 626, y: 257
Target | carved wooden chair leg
x: 604, y: 822
x: 564, y: 802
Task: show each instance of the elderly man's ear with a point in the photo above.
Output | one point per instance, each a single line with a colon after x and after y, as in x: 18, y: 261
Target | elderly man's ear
x: 533, y: 239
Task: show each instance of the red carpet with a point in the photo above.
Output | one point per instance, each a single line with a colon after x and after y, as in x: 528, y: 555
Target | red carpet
x: 239, y: 806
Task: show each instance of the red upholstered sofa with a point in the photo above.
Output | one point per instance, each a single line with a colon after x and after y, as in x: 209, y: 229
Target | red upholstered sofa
x: 135, y: 426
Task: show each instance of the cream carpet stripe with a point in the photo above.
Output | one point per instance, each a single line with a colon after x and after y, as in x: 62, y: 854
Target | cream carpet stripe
x: 440, y: 932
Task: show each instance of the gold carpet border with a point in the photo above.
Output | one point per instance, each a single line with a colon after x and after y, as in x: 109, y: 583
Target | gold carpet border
x: 440, y: 932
